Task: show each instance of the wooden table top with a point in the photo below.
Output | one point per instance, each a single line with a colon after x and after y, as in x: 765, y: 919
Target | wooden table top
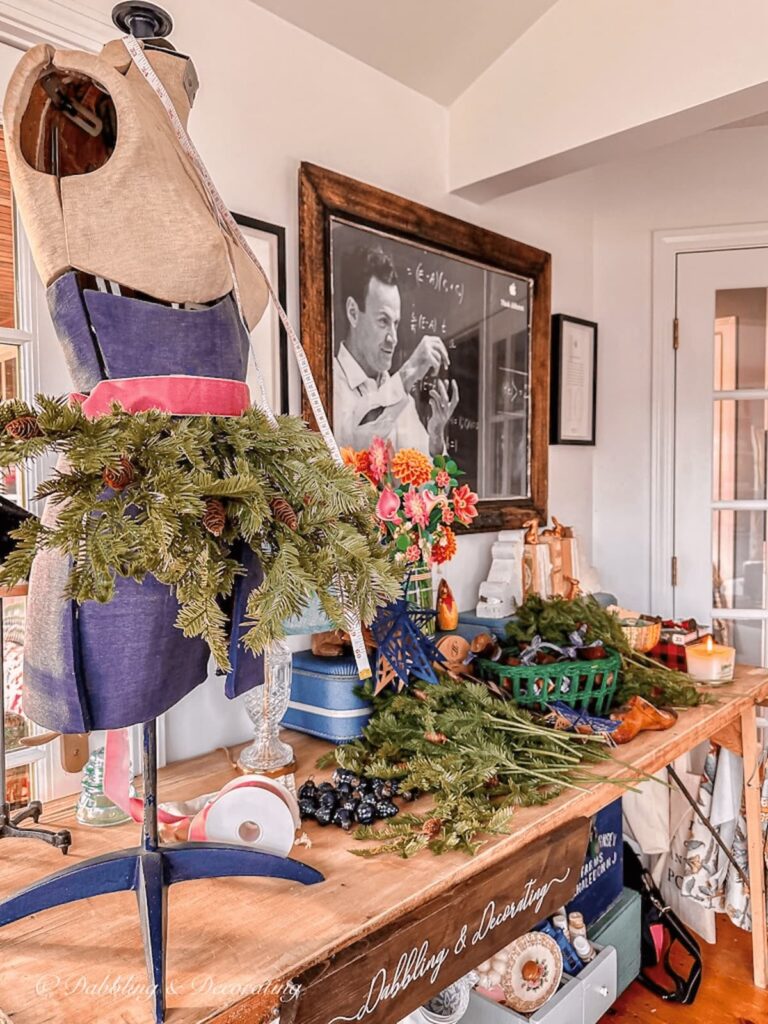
x: 84, y: 963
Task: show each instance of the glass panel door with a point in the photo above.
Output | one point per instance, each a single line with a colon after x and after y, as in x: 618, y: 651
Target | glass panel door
x: 721, y: 483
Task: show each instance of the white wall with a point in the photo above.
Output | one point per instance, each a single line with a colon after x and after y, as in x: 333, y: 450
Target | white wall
x: 713, y: 179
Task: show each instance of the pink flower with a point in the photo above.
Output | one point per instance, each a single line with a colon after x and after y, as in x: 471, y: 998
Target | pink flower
x: 448, y: 515
x: 379, y: 455
x: 413, y: 553
x: 465, y: 504
x: 388, y: 506
x: 443, y: 478
x: 415, y: 507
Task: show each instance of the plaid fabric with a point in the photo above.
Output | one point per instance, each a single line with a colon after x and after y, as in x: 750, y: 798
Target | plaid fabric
x: 669, y: 654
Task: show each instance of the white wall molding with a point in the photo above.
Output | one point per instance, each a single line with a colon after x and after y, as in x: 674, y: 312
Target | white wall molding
x: 64, y: 23
x: 667, y: 246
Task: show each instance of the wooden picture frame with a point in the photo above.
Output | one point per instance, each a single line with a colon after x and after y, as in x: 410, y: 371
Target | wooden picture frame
x: 330, y: 202
x: 269, y: 246
x: 573, y: 398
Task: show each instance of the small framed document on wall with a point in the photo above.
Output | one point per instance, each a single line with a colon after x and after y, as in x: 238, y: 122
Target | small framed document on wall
x: 574, y: 380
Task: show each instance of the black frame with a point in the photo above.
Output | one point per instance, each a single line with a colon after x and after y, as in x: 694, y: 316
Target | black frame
x: 282, y: 288
x: 555, y: 366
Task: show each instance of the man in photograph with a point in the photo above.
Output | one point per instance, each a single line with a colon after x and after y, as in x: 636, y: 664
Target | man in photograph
x: 368, y: 401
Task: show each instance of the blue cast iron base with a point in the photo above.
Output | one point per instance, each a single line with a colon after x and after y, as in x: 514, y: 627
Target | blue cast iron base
x: 150, y: 873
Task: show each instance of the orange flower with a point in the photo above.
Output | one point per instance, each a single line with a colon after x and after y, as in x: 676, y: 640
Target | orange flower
x: 362, y: 463
x: 349, y: 456
x: 444, y: 548
x: 412, y: 467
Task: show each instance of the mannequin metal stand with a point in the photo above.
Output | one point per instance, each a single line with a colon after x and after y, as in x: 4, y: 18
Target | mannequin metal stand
x: 10, y: 821
x: 149, y: 870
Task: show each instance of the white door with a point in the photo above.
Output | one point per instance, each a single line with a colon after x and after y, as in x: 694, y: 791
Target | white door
x: 721, y: 419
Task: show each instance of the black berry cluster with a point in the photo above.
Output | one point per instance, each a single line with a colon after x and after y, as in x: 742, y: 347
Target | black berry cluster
x: 350, y: 800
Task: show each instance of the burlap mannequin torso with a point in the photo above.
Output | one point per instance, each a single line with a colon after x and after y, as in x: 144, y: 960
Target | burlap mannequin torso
x: 143, y: 218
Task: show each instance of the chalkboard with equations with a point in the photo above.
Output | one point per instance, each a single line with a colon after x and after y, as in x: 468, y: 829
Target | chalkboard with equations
x: 482, y: 317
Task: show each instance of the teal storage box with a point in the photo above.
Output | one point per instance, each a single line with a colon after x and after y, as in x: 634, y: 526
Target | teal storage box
x: 619, y: 927
x: 323, y: 702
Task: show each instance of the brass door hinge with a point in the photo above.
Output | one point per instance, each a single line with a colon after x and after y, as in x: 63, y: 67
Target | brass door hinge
x: 674, y: 570
x: 675, y: 334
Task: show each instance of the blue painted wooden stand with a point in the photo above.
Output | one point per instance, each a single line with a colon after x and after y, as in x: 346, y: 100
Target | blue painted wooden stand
x: 149, y: 870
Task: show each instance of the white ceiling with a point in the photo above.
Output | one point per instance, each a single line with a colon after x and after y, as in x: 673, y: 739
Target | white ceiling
x: 437, y: 47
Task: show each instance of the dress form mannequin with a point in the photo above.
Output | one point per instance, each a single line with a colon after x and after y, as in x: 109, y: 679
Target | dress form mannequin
x: 121, y: 207
x: 129, y: 249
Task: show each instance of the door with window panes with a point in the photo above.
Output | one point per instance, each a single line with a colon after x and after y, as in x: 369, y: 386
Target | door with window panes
x: 721, y: 483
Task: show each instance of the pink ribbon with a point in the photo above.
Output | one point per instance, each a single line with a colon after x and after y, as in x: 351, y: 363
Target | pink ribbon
x: 178, y: 395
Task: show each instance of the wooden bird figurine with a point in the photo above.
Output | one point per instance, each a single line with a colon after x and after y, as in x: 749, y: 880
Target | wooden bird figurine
x: 556, y: 530
x: 531, y: 530
x: 447, y: 609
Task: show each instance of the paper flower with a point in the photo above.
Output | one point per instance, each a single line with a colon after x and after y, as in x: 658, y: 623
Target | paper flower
x: 465, y: 504
x: 379, y: 454
x: 416, y: 507
x: 413, y: 553
x: 443, y: 478
x: 388, y: 506
x: 412, y: 467
x: 444, y: 547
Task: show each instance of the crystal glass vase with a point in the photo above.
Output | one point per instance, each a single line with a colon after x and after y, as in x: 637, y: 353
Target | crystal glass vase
x: 93, y: 806
x: 266, y: 705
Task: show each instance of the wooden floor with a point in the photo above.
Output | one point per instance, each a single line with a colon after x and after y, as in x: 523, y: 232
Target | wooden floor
x: 726, y: 996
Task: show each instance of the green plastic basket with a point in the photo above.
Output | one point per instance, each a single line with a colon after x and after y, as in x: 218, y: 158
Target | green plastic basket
x: 580, y: 684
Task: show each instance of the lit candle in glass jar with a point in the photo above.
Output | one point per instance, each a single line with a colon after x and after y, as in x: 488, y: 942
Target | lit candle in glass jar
x: 710, y: 662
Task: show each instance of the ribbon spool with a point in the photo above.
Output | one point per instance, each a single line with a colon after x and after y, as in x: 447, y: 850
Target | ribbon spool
x: 254, y: 812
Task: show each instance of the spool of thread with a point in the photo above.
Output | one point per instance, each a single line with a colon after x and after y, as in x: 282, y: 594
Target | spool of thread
x: 576, y: 925
x: 584, y: 948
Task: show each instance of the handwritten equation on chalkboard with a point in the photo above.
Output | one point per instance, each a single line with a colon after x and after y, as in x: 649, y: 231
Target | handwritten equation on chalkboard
x: 482, y: 317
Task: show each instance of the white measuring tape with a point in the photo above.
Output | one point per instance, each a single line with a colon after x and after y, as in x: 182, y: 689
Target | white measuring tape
x: 228, y: 223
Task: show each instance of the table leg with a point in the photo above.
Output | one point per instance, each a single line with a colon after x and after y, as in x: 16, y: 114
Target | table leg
x: 755, y: 846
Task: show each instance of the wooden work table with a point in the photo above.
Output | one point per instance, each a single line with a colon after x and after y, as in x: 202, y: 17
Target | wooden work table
x: 83, y: 963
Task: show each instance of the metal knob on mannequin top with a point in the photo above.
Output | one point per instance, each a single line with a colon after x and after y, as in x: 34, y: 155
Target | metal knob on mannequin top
x: 142, y: 20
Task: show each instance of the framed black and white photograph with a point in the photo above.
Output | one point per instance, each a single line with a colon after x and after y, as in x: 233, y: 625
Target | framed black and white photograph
x: 268, y: 337
x: 574, y: 380
x: 432, y: 341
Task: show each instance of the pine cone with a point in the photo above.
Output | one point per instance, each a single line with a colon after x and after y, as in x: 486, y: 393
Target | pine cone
x: 215, y: 516
x: 435, y: 737
x: 418, y: 694
x: 492, y: 782
x: 431, y: 827
x: 120, y: 476
x: 23, y: 428
x: 284, y: 513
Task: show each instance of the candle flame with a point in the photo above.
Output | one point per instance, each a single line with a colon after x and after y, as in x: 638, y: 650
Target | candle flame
x: 709, y: 645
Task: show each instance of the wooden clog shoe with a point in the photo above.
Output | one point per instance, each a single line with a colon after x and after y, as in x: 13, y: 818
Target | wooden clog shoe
x: 640, y: 716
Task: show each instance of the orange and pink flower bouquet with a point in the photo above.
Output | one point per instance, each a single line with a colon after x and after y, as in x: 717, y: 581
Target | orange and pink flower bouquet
x: 420, y: 500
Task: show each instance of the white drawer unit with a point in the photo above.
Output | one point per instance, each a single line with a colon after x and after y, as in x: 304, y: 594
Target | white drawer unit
x: 598, y: 983
x: 581, y: 1000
